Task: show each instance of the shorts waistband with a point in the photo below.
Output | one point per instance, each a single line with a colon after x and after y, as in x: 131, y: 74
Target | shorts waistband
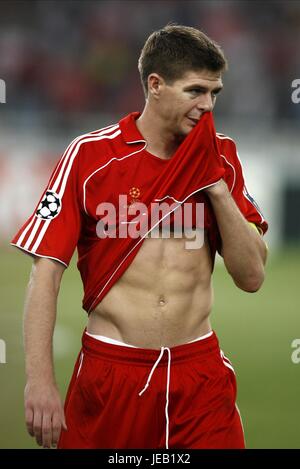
x: 108, y: 340
x: 199, y: 349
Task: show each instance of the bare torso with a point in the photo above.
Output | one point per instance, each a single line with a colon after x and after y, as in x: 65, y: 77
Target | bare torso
x: 163, y: 298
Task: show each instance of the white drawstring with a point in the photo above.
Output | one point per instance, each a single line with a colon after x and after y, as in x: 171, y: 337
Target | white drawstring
x: 167, y: 388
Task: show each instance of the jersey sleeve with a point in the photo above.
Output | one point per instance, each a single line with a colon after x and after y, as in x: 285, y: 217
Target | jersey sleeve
x: 53, y: 229
x: 244, y: 200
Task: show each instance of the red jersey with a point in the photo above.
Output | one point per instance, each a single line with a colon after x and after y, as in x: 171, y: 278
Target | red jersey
x: 100, y: 166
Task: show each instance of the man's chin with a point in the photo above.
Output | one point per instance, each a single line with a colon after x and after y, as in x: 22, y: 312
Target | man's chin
x: 183, y: 132
x: 180, y: 136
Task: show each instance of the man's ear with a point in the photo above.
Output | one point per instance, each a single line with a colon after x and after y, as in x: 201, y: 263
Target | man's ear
x: 155, y: 85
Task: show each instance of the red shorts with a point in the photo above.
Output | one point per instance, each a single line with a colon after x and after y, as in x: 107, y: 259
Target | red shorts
x: 179, y: 397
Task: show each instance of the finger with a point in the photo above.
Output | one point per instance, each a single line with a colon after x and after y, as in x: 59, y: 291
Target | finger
x: 64, y: 423
x: 56, y: 428
x: 37, y: 426
x: 46, y: 430
x: 29, y: 420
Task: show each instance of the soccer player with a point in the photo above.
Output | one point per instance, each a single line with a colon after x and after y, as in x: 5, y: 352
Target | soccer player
x: 150, y: 373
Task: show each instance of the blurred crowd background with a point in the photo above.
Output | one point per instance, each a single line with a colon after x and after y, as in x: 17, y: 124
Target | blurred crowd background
x: 70, y: 67
x: 80, y: 56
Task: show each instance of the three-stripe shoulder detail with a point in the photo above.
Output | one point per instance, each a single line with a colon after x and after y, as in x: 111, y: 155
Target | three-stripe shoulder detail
x: 33, y: 233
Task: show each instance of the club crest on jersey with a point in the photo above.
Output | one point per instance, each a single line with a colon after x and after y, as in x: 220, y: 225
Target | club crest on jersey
x: 134, y: 194
x: 50, y: 206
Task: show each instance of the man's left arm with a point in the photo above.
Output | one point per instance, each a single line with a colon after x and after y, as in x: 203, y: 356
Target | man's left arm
x: 243, y: 249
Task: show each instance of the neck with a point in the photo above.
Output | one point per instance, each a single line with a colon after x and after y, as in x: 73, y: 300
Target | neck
x: 160, y: 140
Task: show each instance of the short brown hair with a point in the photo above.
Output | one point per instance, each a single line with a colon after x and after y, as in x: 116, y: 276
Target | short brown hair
x: 175, y: 50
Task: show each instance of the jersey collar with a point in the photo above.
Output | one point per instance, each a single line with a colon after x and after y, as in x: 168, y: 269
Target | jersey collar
x: 129, y: 130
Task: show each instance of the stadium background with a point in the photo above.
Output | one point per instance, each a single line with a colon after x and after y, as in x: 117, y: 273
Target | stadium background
x: 70, y: 67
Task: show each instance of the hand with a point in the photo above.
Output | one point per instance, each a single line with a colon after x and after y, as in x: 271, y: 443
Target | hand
x: 44, y: 413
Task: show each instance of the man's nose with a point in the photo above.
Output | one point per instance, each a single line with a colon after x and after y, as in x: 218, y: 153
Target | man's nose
x: 205, y: 104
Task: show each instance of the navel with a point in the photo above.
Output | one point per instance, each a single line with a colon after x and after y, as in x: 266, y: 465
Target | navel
x: 162, y: 301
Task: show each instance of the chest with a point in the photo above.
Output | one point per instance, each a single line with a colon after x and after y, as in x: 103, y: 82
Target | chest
x: 174, y: 253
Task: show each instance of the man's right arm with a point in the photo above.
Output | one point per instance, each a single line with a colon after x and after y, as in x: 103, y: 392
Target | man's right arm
x: 43, y: 407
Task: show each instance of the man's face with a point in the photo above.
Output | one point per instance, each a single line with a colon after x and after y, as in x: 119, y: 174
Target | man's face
x: 182, y: 103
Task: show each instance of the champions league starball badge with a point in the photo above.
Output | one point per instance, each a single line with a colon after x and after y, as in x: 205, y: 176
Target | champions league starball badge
x: 50, y: 206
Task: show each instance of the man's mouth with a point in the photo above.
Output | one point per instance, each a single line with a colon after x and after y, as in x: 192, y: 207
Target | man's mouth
x: 194, y: 120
